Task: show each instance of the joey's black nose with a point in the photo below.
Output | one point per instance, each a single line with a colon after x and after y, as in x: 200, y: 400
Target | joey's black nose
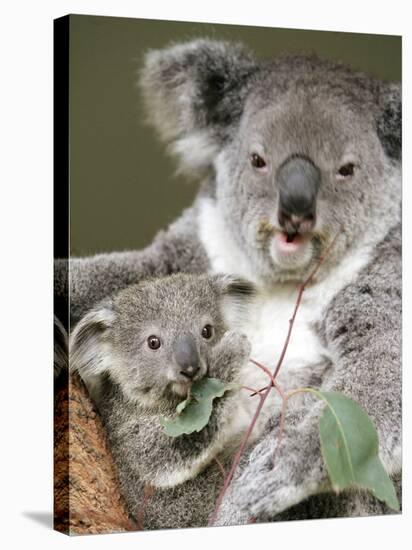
x: 186, y: 355
x: 299, y: 181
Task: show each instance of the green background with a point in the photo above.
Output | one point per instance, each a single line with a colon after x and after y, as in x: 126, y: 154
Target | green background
x: 123, y: 187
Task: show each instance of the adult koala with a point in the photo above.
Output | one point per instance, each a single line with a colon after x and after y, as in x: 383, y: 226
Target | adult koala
x: 294, y: 152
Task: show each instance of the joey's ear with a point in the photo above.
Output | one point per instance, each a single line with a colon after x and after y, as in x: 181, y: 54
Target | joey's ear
x: 195, y: 94
x: 237, y: 296
x: 389, y: 123
x: 89, y: 342
x: 235, y: 287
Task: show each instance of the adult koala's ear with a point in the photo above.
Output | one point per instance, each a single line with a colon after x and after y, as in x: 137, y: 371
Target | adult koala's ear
x: 389, y: 123
x: 195, y: 94
x: 89, y: 343
x: 237, y: 295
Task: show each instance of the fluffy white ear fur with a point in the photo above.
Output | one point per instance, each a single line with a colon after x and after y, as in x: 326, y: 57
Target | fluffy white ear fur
x: 193, y: 96
x: 89, y: 347
x: 196, y: 151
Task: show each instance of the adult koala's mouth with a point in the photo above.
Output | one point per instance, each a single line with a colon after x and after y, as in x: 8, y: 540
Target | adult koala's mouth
x: 291, y: 254
x: 289, y: 248
x: 290, y: 244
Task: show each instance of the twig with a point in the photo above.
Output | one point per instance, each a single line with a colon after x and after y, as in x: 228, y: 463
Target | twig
x: 221, y: 467
x: 259, y: 391
x: 301, y: 288
x: 254, y: 392
x: 252, y: 520
x: 238, y: 455
x: 266, y: 370
x: 148, y: 492
x: 268, y: 389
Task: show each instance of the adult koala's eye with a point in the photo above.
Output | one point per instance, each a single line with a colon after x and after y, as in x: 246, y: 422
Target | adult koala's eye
x: 153, y: 342
x: 346, y: 171
x: 257, y: 161
x: 207, y: 332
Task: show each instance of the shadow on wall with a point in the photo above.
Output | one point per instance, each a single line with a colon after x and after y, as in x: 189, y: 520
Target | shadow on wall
x: 45, y: 519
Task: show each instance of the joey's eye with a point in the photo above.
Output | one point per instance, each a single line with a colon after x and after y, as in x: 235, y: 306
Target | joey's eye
x: 257, y: 161
x: 153, y: 342
x: 346, y: 170
x: 207, y: 332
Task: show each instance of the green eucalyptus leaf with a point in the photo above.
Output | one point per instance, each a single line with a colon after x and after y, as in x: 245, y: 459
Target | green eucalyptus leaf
x: 350, y: 448
x: 194, y: 412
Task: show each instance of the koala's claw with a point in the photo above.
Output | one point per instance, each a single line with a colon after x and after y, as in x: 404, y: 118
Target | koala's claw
x: 275, y: 479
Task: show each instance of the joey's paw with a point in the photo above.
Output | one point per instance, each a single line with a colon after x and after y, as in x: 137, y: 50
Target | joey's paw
x: 235, y: 346
x: 238, y: 343
x: 229, y: 355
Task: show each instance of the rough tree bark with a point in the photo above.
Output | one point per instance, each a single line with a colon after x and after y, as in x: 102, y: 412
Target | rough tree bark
x: 87, y: 499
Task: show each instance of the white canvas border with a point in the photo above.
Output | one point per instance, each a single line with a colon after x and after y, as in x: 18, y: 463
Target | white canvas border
x: 26, y: 272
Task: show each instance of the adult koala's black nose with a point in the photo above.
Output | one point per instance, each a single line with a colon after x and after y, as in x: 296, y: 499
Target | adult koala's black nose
x: 298, y: 179
x: 186, y: 356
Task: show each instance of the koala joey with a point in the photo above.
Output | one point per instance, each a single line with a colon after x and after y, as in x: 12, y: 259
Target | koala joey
x: 293, y: 151
x: 139, y: 352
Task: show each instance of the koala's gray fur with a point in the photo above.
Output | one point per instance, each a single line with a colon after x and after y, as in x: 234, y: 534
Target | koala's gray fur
x: 369, y: 306
x: 217, y: 107
x: 135, y: 387
x: 60, y: 355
